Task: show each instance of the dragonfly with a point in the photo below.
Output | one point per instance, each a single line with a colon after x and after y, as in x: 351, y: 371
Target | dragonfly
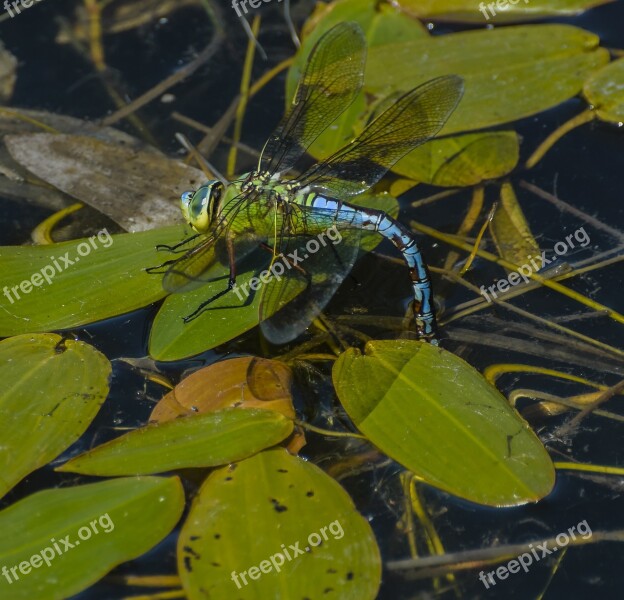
x: 278, y: 211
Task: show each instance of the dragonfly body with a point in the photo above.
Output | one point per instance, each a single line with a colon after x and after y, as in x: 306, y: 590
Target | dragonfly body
x: 278, y: 211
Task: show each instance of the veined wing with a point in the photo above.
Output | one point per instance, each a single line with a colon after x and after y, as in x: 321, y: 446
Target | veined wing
x: 308, y: 272
x: 207, y: 260
x: 332, y: 79
x: 412, y: 120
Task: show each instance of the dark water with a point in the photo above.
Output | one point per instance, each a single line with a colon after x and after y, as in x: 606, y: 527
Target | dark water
x: 585, y: 169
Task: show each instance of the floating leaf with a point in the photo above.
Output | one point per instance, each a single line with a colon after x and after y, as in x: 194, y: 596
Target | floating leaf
x: 50, y: 391
x: 233, y: 314
x: 505, y: 11
x: 248, y: 516
x: 203, y: 440
x: 245, y: 382
x: 95, y: 527
x: 605, y: 91
x: 437, y: 416
x: 509, y: 73
x: 138, y: 189
x: 510, y: 230
x: 462, y: 160
x: 105, y: 276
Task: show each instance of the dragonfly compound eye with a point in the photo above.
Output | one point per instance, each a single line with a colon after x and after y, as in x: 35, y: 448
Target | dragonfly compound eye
x: 200, y: 207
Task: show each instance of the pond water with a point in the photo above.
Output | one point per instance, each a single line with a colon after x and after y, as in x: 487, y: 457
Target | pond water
x: 584, y: 170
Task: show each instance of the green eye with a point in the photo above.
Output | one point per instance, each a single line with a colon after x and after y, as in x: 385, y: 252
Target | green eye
x: 200, y: 207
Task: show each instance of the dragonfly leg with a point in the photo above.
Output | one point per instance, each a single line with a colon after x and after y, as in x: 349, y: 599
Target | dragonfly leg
x: 230, y: 285
x: 176, y: 246
x: 404, y: 241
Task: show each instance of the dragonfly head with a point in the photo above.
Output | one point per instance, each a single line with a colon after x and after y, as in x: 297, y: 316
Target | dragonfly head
x: 201, y: 207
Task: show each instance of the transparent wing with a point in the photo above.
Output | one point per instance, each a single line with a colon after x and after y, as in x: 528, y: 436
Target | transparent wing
x: 332, y: 79
x: 412, y: 120
x: 307, y: 273
x: 208, y: 260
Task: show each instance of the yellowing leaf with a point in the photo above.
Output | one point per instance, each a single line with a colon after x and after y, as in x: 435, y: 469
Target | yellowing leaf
x: 510, y: 230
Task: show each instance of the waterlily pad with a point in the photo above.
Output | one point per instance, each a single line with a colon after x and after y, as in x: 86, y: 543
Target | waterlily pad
x: 436, y: 415
x: 50, y: 391
x: 510, y: 230
x: 245, y: 382
x: 138, y: 189
x: 503, y: 11
x: 201, y: 440
x: 273, y: 506
x: 57, y: 543
x: 605, y: 91
x: 87, y: 280
x: 462, y: 160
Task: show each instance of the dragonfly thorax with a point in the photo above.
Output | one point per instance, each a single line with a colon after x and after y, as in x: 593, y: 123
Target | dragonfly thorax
x: 201, y: 207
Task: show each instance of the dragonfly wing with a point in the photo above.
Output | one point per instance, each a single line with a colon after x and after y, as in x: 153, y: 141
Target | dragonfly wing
x: 332, y: 79
x: 307, y: 273
x: 207, y: 261
x: 412, y: 120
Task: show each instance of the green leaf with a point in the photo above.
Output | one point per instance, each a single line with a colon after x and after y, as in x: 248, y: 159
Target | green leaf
x: 509, y: 73
x: 505, y: 11
x: 107, y: 523
x: 605, y: 91
x: 247, y: 514
x: 204, y: 440
x: 437, y: 416
x: 50, y: 391
x: 462, y: 160
x: 107, y: 278
x: 510, y: 229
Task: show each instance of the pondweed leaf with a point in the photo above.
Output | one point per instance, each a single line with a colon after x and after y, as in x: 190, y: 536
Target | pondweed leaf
x: 509, y: 73
x: 604, y: 90
x: 505, y: 11
x: 199, y: 440
x: 462, y: 160
x: 244, y: 382
x: 50, y: 391
x: 95, y: 527
x: 70, y: 284
x: 436, y: 415
x: 276, y: 526
x: 510, y: 231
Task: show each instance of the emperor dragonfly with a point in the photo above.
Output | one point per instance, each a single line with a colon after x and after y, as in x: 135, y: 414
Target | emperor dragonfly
x: 272, y: 208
